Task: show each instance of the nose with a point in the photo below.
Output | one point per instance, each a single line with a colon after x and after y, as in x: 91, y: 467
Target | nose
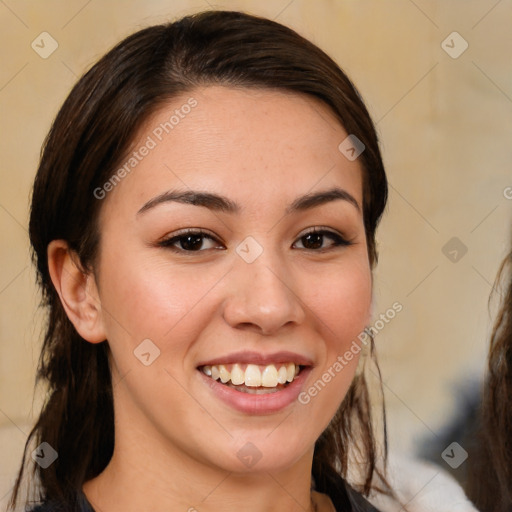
x: 261, y: 297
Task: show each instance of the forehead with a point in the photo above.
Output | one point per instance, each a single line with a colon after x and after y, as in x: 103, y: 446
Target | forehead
x: 251, y: 144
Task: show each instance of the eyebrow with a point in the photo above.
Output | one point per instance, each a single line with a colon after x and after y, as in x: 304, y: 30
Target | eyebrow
x: 221, y: 203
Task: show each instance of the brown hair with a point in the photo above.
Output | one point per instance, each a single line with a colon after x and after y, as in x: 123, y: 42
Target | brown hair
x: 490, y: 480
x: 89, y: 137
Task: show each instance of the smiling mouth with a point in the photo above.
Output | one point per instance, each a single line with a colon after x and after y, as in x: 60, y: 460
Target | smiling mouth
x: 253, y: 378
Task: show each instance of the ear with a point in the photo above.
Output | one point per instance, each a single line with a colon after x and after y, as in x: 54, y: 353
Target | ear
x: 77, y: 290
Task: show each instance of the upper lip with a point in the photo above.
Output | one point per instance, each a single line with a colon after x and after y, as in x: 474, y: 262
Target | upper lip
x: 249, y: 357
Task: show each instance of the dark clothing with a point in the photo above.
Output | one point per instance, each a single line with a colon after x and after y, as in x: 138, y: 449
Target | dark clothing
x: 344, y: 498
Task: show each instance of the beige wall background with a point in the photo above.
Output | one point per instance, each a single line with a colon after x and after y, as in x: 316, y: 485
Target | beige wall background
x: 445, y: 123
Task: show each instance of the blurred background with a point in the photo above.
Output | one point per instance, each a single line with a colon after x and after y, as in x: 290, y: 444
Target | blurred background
x: 437, y: 79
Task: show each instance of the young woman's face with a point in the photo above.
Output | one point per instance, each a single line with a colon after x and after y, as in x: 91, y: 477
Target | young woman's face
x: 273, y: 280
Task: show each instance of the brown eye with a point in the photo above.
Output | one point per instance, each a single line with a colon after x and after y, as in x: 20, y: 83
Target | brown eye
x: 191, y: 241
x: 315, y: 239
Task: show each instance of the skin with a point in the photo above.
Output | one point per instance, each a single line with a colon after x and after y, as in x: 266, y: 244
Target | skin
x: 176, y: 442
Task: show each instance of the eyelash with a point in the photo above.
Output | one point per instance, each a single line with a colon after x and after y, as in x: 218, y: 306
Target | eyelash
x: 169, y: 243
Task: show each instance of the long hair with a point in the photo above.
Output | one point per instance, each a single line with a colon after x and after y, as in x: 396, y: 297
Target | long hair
x: 490, y: 480
x: 90, y: 138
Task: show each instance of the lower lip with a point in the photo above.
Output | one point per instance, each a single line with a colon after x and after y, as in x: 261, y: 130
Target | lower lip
x: 267, y: 403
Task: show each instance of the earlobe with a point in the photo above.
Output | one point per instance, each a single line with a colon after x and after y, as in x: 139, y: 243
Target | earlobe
x: 77, y: 290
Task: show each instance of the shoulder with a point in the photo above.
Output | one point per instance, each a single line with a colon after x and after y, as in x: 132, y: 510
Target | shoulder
x: 48, y: 506
x: 343, y: 496
x: 81, y: 505
x: 359, y: 502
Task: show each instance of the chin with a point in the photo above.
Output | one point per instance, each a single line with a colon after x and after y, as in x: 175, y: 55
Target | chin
x: 268, y: 452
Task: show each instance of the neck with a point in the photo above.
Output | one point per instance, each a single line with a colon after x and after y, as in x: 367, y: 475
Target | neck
x: 146, y: 488
x: 169, y: 479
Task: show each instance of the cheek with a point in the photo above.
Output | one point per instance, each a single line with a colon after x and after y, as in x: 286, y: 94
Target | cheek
x: 340, y: 308
x: 342, y: 303
x: 143, y: 298
x: 149, y: 298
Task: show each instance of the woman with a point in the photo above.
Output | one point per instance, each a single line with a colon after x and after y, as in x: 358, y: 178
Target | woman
x: 490, y: 482
x: 203, y: 223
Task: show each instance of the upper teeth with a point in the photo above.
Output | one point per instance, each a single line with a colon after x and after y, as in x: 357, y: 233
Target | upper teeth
x: 254, y: 376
